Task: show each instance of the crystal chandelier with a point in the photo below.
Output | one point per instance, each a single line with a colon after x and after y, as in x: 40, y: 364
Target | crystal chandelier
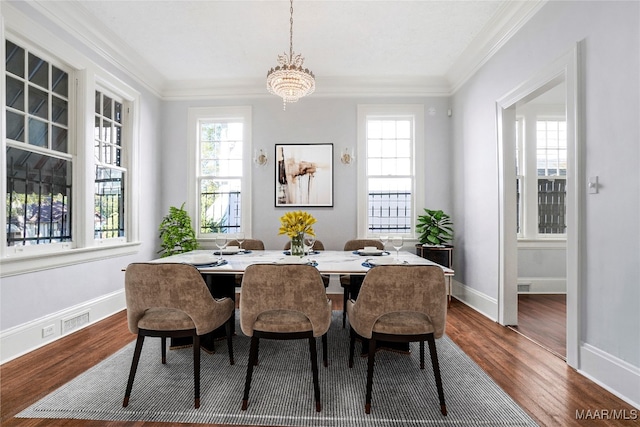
x: 289, y: 80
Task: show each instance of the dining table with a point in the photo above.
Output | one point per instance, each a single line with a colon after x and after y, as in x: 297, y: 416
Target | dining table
x: 221, y: 269
x: 235, y: 261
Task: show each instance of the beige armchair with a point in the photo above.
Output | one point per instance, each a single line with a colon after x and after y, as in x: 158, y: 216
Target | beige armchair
x: 400, y: 303
x: 351, y: 285
x: 317, y: 246
x: 172, y: 300
x: 284, y: 301
x: 248, y: 244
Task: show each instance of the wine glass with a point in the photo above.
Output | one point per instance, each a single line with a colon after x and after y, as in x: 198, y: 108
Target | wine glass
x: 221, y: 242
x: 308, y: 243
x: 384, y: 240
x: 396, y: 242
x: 240, y: 239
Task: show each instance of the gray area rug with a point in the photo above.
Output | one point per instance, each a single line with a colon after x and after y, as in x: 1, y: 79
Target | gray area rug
x: 282, y: 389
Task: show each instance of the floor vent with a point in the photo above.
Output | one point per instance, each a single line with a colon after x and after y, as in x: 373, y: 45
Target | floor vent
x: 74, y: 322
x: 524, y: 287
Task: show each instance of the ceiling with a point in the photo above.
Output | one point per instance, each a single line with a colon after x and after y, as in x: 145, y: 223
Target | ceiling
x: 190, y: 45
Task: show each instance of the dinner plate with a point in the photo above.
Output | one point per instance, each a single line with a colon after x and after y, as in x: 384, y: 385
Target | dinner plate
x: 371, y: 252
x: 228, y: 251
x: 384, y: 261
x: 202, y: 259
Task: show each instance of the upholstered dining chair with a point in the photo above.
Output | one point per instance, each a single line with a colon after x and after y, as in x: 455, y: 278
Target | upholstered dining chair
x: 172, y: 300
x: 248, y: 244
x: 400, y: 303
x: 347, y: 281
x: 317, y: 246
x: 282, y: 302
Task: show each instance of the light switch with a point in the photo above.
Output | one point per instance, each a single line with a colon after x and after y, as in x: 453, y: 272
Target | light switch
x: 593, y: 185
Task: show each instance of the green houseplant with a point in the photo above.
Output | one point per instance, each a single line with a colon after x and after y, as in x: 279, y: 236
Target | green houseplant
x: 176, y: 233
x: 436, y: 230
x: 435, y: 227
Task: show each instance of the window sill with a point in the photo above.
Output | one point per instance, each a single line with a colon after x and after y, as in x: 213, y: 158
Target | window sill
x: 550, y: 243
x: 23, y: 264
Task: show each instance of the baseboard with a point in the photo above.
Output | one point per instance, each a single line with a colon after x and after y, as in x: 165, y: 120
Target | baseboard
x: 615, y: 375
x: 543, y: 285
x: 480, y: 302
x: 22, y: 339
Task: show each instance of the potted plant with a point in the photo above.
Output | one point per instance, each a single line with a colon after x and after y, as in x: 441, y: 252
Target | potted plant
x: 176, y: 233
x: 436, y: 230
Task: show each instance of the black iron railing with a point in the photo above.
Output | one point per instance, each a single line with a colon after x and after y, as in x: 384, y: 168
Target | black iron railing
x: 389, y: 211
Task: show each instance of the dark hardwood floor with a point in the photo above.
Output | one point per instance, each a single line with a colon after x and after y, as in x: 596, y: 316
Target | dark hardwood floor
x: 541, y: 383
x: 543, y: 319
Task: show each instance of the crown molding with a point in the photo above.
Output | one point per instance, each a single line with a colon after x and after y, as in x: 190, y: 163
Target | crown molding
x: 71, y: 17
x: 400, y: 86
x: 509, y: 19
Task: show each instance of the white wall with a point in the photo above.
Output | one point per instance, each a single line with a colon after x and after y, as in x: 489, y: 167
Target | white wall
x: 313, y: 119
x: 30, y: 301
x: 610, y: 239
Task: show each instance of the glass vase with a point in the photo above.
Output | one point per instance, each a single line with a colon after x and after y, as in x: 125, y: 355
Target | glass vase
x: 297, y: 245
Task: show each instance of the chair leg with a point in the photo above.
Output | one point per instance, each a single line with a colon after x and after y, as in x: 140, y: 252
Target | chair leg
x: 163, y: 345
x: 314, y: 370
x: 228, y: 329
x: 253, y: 358
x: 134, y: 367
x: 344, y: 306
x: 372, y: 355
x: 352, y: 345
x: 196, y: 370
x: 325, y: 356
x: 436, y: 371
x: 421, y: 354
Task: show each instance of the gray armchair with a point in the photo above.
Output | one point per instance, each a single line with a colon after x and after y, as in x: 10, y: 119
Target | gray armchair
x: 400, y: 303
x: 172, y: 300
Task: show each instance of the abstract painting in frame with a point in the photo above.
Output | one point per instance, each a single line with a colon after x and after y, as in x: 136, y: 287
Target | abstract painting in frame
x: 304, y: 175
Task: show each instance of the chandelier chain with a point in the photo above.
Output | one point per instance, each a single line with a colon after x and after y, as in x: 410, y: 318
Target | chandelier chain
x: 291, y: 31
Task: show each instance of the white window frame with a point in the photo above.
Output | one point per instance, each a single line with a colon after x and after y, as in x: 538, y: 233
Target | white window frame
x: 528, y: 117
x: 194, y: 117
x: 380, y: 111
x: 82, y: 84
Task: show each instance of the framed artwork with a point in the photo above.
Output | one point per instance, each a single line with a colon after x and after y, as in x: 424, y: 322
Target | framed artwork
x: 304, y: 175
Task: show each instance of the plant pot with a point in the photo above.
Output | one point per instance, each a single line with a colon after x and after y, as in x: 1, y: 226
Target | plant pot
x: 442, y: 255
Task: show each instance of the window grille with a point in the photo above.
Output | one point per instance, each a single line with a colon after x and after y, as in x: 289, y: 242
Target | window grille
x: 109, y: 182
x: 220, y: 148
x: 38, y: 164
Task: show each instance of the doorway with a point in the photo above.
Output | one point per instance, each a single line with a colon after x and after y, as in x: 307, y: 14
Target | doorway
x: 541, y: 175
x: 563, y: 71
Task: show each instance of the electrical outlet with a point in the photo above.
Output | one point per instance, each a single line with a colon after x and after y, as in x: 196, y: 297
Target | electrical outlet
x: 48, y: 331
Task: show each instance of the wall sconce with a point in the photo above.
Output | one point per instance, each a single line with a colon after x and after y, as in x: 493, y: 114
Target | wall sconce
x: 260, y: 157
x: 347, y: 156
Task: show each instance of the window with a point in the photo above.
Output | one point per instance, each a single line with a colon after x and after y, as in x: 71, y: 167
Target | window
x: 110, y: 174
x: 221, y: 184
x: 39, y: 163
x: 541, y: 195
x: 67, y: 160
x: 390, y: 139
